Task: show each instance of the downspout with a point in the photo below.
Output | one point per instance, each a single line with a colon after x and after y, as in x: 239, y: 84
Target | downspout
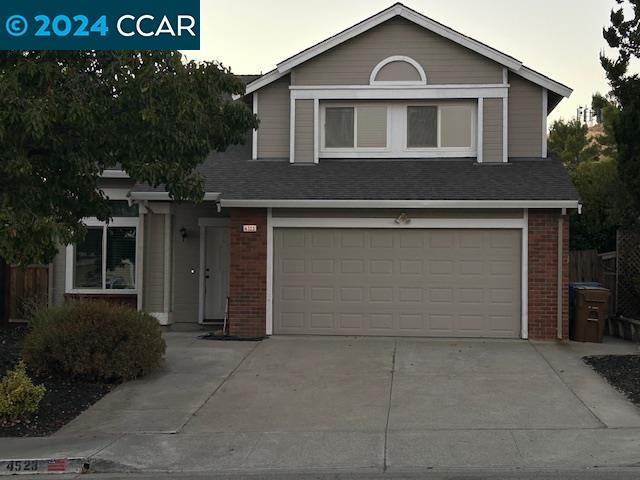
x: 559, y: 309
x: 142, y: 210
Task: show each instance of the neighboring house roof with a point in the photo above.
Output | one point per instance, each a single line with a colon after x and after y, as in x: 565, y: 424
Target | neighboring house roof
x: 398, y: 9
x: 235, y: 177
x: 247, y: 79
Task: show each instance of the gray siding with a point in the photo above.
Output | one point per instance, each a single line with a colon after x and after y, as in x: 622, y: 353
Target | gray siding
x: 186, y: 256
x: 304, y: 131
x: 492, y: 130
x: 273, y: 112
x: 351, y: 62
x: 397, y: 71
x: 525, y: 117
x: 153, y: 285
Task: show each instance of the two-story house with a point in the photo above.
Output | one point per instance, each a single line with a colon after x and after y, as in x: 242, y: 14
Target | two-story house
x: 398, y: 184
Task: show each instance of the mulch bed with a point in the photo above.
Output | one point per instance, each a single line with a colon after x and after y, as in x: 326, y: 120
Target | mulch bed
x: 63, y: 401
x: 621, y: 371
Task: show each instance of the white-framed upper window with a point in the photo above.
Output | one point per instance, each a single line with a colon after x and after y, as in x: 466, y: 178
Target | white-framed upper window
x: 398, y: 129
x: 355, y: 127
x: 105, y: 261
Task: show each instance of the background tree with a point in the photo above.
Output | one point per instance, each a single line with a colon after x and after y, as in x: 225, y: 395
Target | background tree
x: 591, y: 159
x: 568, y: 140
x: 607, y: 113
x: 66, y: 116
x: 624, y: 36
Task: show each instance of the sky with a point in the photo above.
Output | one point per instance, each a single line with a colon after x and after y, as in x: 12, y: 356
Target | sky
x: 561, y: 38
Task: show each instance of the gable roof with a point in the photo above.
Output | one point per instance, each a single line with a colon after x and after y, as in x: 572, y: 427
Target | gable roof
x: 398, y: 9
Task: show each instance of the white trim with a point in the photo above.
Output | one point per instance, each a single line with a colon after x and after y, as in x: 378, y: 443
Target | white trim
x: 396, y: 138
x: 266, y: 79
x: 406, y: 153
x: 116, y: 193
x: 559, y: 278
x: 201, y: 268
x: 505, y: 129
x: 168, y: 249
x: 292, y: 128
x: 162, y: 317
x: 134, y: 222
x: 387, y: 87
x: 275, y: 203
x: 316, y: 130
x: 545, y: 106
x: 415, y: 17
x: 203, y: 223
x: 480, y: 130
x: 142, y: 214
x: 254, y: 133
x: 379, y: 92
x: 420, y: 223
x: 398, y: 58
x: 417, y: 223
x: 114, y: 174
x: 165, y: 196
x: 269, y: 319
x: 505, y: 75
x: 545, y: 82
x: 525, y: 277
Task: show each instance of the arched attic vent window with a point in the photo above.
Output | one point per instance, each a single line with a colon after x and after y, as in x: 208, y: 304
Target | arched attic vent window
x: 398, y: 70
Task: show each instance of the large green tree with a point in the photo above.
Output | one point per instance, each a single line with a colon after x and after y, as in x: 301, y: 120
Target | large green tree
x: 623, y: 35
x: 66, y: 116
x: 569, y: 141
x: 591, y: 159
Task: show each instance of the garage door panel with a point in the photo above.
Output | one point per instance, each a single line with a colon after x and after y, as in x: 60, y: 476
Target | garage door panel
x: 397, y: 282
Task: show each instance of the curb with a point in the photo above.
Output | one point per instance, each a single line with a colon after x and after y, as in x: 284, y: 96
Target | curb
x: 30, y: 466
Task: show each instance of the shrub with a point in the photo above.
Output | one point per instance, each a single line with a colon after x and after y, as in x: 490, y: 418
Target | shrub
x: 19, y: 397
x: 93, y: 341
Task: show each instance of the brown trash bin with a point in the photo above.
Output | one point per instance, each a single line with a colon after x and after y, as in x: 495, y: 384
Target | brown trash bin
x: 591, y: 312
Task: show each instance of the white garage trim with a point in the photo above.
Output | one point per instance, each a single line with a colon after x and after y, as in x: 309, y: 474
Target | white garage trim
x: 475, y: 204
x: 424, y: 223
x: 525, y: 276
x: 418, y: 223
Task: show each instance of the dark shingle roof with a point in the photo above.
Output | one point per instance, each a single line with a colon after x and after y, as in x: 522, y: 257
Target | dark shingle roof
x: 236, y: 177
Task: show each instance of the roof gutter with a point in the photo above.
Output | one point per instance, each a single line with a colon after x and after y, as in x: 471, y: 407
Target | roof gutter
x: 570, y: 204
x: 164, y: 196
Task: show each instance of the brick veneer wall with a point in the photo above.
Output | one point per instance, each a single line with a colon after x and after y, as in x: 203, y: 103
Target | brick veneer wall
x: 248, y: 276
x: 543, y: 274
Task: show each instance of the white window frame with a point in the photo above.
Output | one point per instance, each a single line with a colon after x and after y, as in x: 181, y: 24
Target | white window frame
x: 346, y: 150
x: 397, y: 133
x: 71, y: 252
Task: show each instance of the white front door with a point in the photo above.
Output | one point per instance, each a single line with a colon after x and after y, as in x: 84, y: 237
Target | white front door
x: 216, y: 272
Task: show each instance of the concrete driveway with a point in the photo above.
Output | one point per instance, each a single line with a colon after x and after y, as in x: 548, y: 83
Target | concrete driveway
x: 362, y: 404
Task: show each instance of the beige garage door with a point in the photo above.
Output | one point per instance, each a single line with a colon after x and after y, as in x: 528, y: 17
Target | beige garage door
x: 410, y: 282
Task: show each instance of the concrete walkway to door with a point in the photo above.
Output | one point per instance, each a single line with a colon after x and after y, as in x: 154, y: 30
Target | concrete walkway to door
x: 294, y: 404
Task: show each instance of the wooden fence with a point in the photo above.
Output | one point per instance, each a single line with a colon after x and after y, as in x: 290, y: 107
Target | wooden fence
x: 24, y: 288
